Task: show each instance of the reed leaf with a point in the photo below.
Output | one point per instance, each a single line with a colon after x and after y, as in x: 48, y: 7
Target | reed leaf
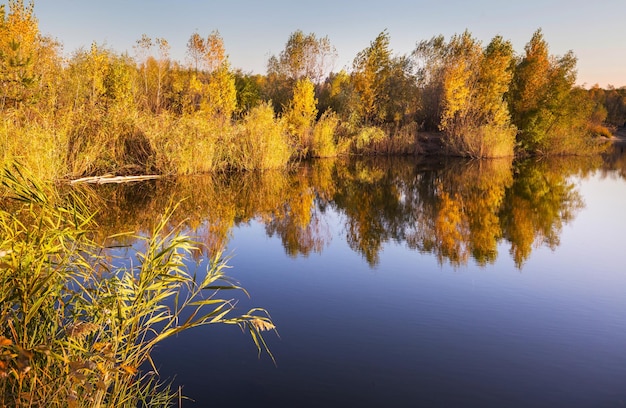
x: 76, y: 328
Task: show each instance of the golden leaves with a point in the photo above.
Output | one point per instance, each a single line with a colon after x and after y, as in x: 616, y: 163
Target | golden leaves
x: 80, y: 330
x: 262, y: 324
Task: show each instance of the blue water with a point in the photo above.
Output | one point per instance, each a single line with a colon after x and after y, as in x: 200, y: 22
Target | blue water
x: 411, y: 331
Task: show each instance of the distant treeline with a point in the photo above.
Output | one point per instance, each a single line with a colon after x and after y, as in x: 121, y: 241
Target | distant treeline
x: 100, y: 111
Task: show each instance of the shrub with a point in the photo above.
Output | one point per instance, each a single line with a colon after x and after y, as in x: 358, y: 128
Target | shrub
x: 259, y: 142
x: 367, y: 137
x: 324, y: 144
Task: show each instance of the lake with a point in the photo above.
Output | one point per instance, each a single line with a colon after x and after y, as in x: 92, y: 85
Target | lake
x: 407, y: 282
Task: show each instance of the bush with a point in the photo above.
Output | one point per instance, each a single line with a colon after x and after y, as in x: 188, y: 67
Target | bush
x: 367, y: 137
x: 259, y: 142
x: 487, y: 141
x: 324, y: 144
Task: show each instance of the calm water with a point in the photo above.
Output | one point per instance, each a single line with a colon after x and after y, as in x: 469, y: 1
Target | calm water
x: 404, y: 283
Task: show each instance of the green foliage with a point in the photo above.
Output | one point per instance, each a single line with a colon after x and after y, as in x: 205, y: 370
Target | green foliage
x: 611, y: 102
x: 75, y: 329
x: 304, y: 56
x: 550, y: 113
x: 339, y: 95
x: 249, y: 90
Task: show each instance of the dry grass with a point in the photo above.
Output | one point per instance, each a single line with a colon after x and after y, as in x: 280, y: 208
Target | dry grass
x: 259, y: 142
x: 484, y: 142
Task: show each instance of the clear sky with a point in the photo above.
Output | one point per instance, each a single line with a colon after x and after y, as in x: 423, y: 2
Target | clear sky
x: 254, y: 29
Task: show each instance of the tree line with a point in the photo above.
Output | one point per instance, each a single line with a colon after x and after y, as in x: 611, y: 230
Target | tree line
x: 102, y: 111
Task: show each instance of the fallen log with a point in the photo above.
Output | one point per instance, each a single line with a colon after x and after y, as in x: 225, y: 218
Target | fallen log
x: 109, y: 178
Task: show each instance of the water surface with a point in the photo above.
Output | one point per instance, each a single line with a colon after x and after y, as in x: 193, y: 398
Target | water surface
x: 405, y: 282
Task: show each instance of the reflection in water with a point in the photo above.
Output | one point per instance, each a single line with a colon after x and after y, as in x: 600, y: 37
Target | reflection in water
x: 457, y: 210
x: 615, y: 159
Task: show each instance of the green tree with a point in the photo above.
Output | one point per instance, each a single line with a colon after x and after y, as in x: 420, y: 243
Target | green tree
x: 551, y: 115
x: 304, y: 56
x: 249, y: 90
x: 371, y: 69
x: 339, y: 95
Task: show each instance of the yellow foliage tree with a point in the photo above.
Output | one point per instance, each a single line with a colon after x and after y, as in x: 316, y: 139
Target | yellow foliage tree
x: 301, y: 114
x: 19, y: 44
x: 475, y: 116
x: 371, y: 70
x: 220, y: 94
x: 214, y: 53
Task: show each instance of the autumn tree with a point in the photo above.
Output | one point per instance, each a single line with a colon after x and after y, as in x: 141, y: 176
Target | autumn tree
x: 211, y: 88
x: 196, y: 48
x: 220, y: 94
x: 214, y: 52
x: 19, y: 43
x: 154, y: 69
x: 463, y: 91
x: 220, y: 90
x: 300, y: 115
x: 550, y: 114
x: 371, y: 69
x: 475, y: 116
x: 304, y: 56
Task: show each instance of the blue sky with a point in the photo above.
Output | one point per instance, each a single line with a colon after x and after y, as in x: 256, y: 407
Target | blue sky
x: 253, y: 29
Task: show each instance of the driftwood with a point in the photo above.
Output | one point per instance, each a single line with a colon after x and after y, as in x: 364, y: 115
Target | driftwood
x: 109, y: 178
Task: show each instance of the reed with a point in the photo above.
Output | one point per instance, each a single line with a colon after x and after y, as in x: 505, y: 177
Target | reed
x: 483, y: 142
x: 35, y: 142
x: 324, y: 133
x: 259, y: 142
x: 76, y: 328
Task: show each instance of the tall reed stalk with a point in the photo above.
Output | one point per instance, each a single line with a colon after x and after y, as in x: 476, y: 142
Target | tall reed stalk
x: 77, y: 327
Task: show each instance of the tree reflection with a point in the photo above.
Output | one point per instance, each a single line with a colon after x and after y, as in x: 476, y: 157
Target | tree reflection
x: 464, y: 212
x: 457, y: 210
x: 615, y: 159
x: 538, y: 204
